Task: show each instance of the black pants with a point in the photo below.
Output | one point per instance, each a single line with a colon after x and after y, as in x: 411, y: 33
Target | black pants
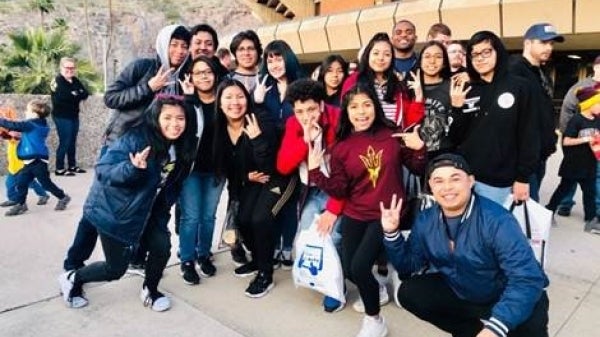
x: 83, y: 245
x: 257, y: 224
x: 429, y: 298
x: 119, y: 254
x: 588, y: 189
x: 38, y: 169
x: 362, y: 243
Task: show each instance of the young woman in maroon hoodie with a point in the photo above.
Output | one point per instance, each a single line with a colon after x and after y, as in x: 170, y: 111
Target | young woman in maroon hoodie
x: 366, y: 168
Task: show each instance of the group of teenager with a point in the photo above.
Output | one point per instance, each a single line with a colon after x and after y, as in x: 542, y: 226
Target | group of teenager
x: 338, y: 152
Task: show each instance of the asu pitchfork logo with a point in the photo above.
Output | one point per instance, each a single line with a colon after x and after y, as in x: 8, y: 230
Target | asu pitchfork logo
x: 372, y: 162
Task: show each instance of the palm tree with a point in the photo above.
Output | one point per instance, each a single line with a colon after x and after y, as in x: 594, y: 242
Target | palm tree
x: 44, y: 6
x: 32, y: 60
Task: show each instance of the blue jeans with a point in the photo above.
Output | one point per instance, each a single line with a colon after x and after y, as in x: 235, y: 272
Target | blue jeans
x: 567, y: 201
x: 315, y: 204
x: 535, y: 181
x: 497, y: 194
x: 11, y: 187
x: 198, y: 201
x: 67, y: 129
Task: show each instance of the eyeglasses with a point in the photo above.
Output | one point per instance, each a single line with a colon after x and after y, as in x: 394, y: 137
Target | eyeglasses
x: 69, y: 68
x: 202, y: 73
x: 456, y: 52
x: 485, y: 53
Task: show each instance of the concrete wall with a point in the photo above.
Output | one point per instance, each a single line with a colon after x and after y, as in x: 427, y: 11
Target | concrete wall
x: 93, y: 118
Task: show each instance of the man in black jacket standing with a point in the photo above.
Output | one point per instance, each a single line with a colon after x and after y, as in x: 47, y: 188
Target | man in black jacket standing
x: 537, y: 49
x: 67, y: 93
x: 495, y: 126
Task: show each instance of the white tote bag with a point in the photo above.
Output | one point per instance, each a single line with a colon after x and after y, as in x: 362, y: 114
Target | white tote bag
x: 535, y: 221
x: 317, y: 265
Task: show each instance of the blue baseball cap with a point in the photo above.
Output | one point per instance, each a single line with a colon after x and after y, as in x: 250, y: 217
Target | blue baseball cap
x: 543, y: 32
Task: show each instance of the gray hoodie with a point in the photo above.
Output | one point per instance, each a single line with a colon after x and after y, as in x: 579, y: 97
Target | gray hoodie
x: 570, y: 102
x: 130, y: 95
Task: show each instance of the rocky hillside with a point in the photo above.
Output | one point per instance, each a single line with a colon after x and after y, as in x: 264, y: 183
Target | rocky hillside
x: 135, y: 23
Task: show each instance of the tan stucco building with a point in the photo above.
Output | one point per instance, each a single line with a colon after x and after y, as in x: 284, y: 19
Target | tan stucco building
x: 315, y: 28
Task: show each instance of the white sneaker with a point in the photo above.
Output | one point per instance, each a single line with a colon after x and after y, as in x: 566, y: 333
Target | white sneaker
x: 384, y: 299
x: 66, y: 280
x: 161, y: 303
x: 373, y: 327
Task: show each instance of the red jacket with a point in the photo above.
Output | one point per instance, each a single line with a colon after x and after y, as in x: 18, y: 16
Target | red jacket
x: 366, y: 168
x: 293, y: 150
x: 413, y: 112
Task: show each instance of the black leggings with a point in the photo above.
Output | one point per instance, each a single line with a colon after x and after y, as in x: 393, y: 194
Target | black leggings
x: 119, y: 254
x: 361, y: 246
x: 429, y: 298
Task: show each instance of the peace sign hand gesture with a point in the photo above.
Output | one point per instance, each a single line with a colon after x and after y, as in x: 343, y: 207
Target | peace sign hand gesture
x: 416, y: 86
x: 186, y: 85
x: 390, y: 217
x: 261, y: 89
x: 252, y: 129
x: 139, y: 158
x: 458, y: 93
x: 160, y: 80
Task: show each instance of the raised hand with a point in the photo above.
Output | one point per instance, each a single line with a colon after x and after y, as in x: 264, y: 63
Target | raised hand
x: 258, y: 177
x: 416, y: 86
x: 261, y: 89
x: 252, y: 129
x: 412, y: 140
x: 139, y: 158
x: 390, y: 217
x: 311, y: 130
x: 186, y: 85
x: 160, y: 80
x: 458, y: 93
x: 315, y: 157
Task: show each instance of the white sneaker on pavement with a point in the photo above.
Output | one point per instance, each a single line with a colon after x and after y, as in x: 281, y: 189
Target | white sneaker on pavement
x: 384, y: 299
x: 373, y: 327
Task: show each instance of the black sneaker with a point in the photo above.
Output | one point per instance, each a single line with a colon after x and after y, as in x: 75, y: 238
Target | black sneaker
x: 207, y: 268
x: 260, y: 286
x: 189, y: 274
x: 137, y: 269
x: 238, y: 255
x: 246, y: 270
x: 8, y: 203
x: 43, y: 200
x: 61, y: 205
x: 563, y: 211
x: 64, y: 173
x: 16, y: 210
x: 76, y: 169
x: 286, y: 260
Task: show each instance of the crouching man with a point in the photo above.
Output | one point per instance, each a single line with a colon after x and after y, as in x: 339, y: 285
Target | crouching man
x: 484, y: 279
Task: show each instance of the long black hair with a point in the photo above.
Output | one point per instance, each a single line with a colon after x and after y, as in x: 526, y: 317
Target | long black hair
x: 220, y: 123
x: 445, y: 71
x: 185, y: 147
x: 293, y: 70
x: 327, y: 62
x: 345, y: 128
x: 367, y: 75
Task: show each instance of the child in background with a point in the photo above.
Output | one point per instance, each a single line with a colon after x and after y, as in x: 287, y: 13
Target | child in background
x: 579, y: 163
x: 33, y: 151
x: 13, y: 168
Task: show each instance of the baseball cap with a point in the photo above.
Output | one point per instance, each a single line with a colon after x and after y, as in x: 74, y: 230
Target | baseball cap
x: 543, y: 32
x: 451, y: 160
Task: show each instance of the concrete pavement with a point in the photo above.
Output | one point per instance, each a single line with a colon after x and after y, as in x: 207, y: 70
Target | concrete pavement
x: 32, y: 247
